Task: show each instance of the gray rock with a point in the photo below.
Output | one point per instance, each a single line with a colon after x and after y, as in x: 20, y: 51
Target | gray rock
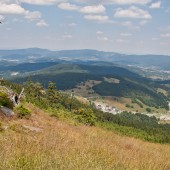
x: 8, y: 112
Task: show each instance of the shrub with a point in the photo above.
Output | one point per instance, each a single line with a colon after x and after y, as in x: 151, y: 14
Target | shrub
x: 129, y: 106
x: 85, y: 116
x: 5, y: 101
x: 22, y: 112
x: 148, y: 109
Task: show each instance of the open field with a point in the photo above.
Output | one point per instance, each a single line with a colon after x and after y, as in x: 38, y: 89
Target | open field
x: 120, y: 103
x: 85, y: 89
x: 45, y: 143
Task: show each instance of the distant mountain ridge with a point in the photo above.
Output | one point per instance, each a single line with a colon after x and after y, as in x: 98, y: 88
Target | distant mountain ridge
x: 69, y: 68
x: 23, y: 51
x: 43, y: 55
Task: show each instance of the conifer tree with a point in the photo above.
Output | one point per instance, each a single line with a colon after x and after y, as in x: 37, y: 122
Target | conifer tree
x: 52, y: 93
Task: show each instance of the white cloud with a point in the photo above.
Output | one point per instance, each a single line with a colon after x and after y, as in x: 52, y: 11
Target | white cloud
x: 93, y: 9
x: 126, y: 34
x: 100, y: 18
x: 39, y: 2
x: 68, y: 6
x: 10, y: 1
x: 120, y: 2
x: 167, y: 35
x: 32, y: 16
x: 132, y: 12
x: 11, y: 9
x: 128, y: 2
x: 99, y: 32
x: 42, y: 23
x: 155, y: 5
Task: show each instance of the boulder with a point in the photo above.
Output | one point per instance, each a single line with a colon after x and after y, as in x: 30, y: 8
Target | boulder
x: 6, y: 111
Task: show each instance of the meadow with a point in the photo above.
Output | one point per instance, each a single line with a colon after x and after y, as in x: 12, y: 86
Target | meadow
x: 58, y: 144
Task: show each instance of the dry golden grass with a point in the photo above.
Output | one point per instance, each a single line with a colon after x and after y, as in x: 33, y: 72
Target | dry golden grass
x: 120, y: 104
x: 67, y: 147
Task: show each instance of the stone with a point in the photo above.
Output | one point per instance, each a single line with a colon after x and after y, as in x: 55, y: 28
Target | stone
x: 8, y: 112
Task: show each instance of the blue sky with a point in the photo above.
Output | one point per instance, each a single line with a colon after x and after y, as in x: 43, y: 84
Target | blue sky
x: 125, y: 26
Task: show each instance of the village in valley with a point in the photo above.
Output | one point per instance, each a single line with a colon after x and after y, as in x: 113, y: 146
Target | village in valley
x: 107, y: 108
x: 114, y: 105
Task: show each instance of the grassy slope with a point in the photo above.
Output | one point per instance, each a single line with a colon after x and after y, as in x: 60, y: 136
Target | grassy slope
x: 62, y: 145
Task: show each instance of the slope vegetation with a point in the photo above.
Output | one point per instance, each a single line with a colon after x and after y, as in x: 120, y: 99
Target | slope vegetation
x: 43, y: 142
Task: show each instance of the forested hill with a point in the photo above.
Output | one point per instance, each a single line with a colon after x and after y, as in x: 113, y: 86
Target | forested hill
x: 131, y: 85
x: 67, y: 76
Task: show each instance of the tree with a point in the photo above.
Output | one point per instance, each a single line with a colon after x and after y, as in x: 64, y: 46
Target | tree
x: 30, y: 89
x: 86, y: 116
x: 148, y: 109
x: 52, y: 93
x: 38, y: 90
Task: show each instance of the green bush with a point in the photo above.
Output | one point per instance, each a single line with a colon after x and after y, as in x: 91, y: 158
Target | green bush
x: 129, y: 106
x: 148, y: 110
x: 5, y: 101
x: 85, y: 116
x: 22, y: 112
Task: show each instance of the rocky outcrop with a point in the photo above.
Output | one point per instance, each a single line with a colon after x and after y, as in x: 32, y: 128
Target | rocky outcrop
x: 6, y: 111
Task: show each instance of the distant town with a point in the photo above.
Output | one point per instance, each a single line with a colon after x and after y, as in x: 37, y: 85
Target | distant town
x: 104, y: 107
